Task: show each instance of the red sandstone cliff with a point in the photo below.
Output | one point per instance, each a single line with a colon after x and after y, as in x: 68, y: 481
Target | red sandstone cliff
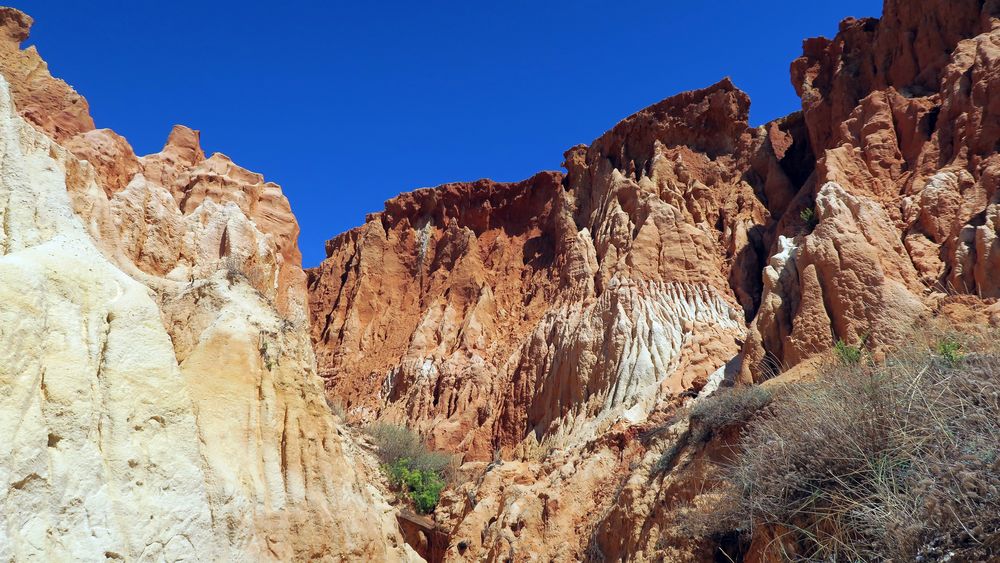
x: 548, y: 324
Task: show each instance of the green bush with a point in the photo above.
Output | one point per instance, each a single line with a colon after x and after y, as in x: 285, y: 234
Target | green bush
x: 421, y: 473
x: 808, y: 216
x: 422, y: 486
x: 950, y: 350
x: 846, y: 354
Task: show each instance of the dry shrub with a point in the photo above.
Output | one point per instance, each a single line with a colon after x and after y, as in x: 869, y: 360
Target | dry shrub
x: 727, y: 407
x: 336, y: 407
x: 895, y: 462
x: 258, y: 276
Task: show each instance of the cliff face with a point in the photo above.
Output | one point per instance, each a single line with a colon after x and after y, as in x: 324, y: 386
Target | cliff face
x: 164, y: 358
x: 160, y: 399
x: 496, y: 316
x: 905, y: 136
x: 550, y: 324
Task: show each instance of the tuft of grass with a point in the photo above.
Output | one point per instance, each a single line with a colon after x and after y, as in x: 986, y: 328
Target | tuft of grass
x: 728, y: 407
x: 336, y: 406
x: 669, y: 454
x: 411, y: 467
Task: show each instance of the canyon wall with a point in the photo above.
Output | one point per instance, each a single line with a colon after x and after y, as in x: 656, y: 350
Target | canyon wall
x: 164, y: 357
x: 546, y: 331
x: 495, y: 316
x: 160, y: 399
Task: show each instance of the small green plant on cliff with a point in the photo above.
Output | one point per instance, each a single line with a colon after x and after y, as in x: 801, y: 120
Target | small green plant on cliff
x: 410, y: 466
x: 808, y: 216
x: 846, y: 354
x: 422, y: 486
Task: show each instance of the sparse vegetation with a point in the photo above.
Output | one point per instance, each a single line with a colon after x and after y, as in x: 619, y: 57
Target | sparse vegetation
x: 337, y: 408
x: 410, y: 466
x: 260, y: 277
x: 950, y: 349
x: 729, y: 406
x: 808, y: 216
x: 846, y: 354
x: 894, y: 462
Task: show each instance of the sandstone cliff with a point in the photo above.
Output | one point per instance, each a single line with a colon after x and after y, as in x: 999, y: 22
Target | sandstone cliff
x: 164, y: 358
x: 548, y: 326
x: 160, y: 400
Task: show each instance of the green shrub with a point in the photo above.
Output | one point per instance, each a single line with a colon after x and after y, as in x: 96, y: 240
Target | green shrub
x: 846, y: 354
x: 422, y: 486
x: 950, y: 350
x: 410, y: 465
x: 808, y: 216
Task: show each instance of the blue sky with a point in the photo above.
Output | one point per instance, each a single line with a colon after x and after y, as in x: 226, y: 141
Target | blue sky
x: 346, y: 104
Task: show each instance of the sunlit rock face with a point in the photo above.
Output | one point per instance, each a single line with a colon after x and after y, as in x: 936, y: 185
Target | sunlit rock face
x: 163, y: 356
x: 157, y: 381
x: 493, y: 315
x: 905, y: 134
x: 546, y: 325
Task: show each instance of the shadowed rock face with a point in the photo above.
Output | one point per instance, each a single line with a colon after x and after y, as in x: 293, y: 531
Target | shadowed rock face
x: 552, y: 321
x: 159, y: 394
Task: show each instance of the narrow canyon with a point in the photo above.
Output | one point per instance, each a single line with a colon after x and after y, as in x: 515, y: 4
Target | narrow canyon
x: 175, y: 386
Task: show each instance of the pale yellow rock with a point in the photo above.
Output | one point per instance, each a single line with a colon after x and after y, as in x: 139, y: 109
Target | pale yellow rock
x: 154, y: 418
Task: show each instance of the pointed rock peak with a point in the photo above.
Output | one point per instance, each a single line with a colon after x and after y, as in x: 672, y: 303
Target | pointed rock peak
x: 14, y: 25
x: 711, y: 120
x: 185, y: 143
x: 719, y: 106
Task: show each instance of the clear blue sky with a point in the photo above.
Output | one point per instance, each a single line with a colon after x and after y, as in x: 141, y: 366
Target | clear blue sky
x: 346, y: 104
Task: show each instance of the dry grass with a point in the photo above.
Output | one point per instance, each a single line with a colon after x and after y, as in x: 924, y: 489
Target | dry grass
x: 893, y: 462
x: 727, y: 407
x: 336, y: 407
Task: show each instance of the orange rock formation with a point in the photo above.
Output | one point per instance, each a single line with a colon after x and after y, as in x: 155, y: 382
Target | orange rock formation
x: 546, y: 324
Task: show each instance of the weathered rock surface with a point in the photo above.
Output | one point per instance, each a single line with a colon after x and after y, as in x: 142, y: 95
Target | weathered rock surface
x: 496, y: 316
x: 545, y: 326
x: 160, y: 399
x: 906, y: 139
